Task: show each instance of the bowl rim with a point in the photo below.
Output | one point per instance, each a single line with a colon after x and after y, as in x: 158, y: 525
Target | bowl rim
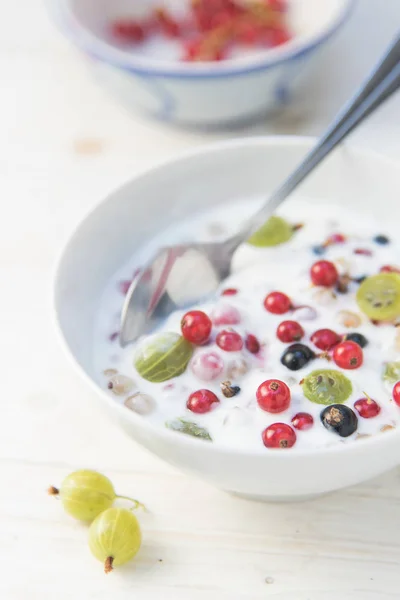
x: 305, y: 142
x: 100, y: 49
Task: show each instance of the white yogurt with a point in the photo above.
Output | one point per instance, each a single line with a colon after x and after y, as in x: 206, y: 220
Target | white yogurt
x: 239, y: 421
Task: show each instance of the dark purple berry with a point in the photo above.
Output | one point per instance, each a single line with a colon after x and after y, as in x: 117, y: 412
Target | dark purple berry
x: 297, y: 356
x: 339, y: 419
x: 358, y: 338
x: 319, y: 250
x: 382, y: 240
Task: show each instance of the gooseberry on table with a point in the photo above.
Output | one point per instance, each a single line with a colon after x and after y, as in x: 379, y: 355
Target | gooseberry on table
x: 85, y: 494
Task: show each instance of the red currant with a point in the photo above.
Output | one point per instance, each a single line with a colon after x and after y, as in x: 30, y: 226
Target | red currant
x: 229, y: 292
x: 196, y: 327
x: 207, y: 365
x: 277, y: 303
x: 225, y: 314
x: 324, y: 273
x: 201, y: 401
x: 279, y: 435
x: 389, y: 269
x: 229, y: 340
x: 252, y: 344
x: 348, y: 355
x: 325, y: 339
x: 191, y: 49
x: 302, y: 421
x: 290, y: 331
x: 396, y: 393
x: 247, y: 32
x: 335, y: 238
x: 128, y: 31
x: 273, y: 396
x: 363, y: 251
x: 367, y: 408
x: 279, y: 5
x: 221, y: 19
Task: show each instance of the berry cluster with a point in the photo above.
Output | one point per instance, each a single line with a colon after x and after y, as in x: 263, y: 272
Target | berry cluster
x: 212, y: 28
x: 114, y: 533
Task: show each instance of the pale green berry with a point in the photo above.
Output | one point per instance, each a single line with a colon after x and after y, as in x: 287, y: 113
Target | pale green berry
x: 379, y: 296
x: 274, y: 232
x: 163, y: 356
x: 115, y: 537
x: 85, y: 494
x: 327, y: 386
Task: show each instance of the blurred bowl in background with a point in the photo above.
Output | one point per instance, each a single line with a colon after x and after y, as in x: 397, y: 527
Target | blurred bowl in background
x: 198, y: 94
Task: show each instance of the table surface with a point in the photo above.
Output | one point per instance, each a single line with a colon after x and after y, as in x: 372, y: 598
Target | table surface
x: 64, y: 143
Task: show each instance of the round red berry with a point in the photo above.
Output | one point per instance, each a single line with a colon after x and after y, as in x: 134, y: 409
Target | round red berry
x: 229, y: 340
x: 348, y: 355
x: 196, y: 327
x: 396, y: 393
x: 207, y: 365
x: 336, y: 238
x: 389, y: 269
x: 367, y: 408
x: 279, y: 435
x: 247, y: 32
x: 128, y: 31
x: 229, y: 292
x: 252, y: 344
x: 302, y: 421
x: 363, y: 251
x: 325, y: 339
x: 273, y: 396
x: 324, y: 273
x: 201, y: 401
x: 290, y: 331
x: 279, y: 5
x: 191, y: 49
x: 225, y: 314
x: 277, y: 303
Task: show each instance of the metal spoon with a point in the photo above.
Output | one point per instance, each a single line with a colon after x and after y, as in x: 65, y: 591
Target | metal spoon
x: 185, y: 274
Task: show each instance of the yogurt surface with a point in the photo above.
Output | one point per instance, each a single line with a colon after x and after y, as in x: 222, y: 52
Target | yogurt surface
x: 239, y: 421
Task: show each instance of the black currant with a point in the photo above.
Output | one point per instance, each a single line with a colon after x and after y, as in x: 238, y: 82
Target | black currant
x: 339, y: 419
x: 297, y: 356
x: 358, y: 338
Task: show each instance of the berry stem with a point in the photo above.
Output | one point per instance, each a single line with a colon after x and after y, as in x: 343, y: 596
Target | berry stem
x: 108, y: 565
x: 53, y: 491
x: 325, y: 355
x: 136, y: 503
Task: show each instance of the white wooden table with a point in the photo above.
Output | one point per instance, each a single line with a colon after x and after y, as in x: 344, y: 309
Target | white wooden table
x: 63, y: 145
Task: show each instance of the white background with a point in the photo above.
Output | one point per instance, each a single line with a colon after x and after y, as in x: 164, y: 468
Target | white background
x: 63, y: 145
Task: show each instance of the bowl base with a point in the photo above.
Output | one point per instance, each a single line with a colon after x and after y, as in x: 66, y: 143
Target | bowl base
x: 278, y: 499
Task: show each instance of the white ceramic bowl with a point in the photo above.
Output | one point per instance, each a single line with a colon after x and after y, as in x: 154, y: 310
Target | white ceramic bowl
x: 203, y: 178
x: 205, y: 94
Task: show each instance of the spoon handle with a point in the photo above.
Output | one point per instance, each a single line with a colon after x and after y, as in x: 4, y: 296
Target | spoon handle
x: 382, y: 83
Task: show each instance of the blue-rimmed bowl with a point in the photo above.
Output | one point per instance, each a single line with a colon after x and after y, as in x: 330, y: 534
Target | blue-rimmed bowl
x: 200, y: 94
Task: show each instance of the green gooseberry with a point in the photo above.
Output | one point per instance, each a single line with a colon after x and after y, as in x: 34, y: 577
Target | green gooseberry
x: 85, y: 494
x: 162, y: 357
x: 274, y: 232
x: 327, y: 386
x: 379, y: 296
x: 115, y: 537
